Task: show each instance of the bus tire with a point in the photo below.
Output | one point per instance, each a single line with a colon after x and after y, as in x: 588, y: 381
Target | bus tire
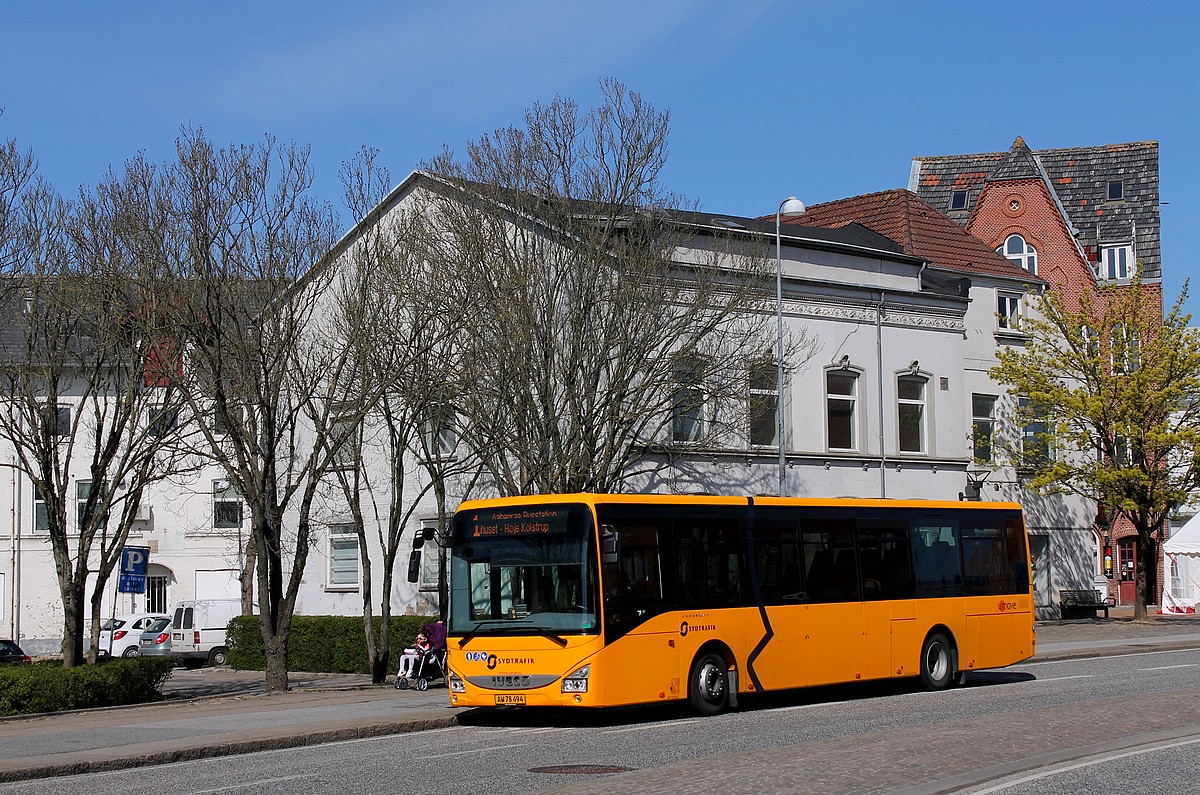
x: 937, y: 662
x: 708, y: 684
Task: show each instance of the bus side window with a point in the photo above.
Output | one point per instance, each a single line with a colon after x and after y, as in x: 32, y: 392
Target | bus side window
x: 939, y: 564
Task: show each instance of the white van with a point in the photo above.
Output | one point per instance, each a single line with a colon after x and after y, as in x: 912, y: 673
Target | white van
x: 198, y: 630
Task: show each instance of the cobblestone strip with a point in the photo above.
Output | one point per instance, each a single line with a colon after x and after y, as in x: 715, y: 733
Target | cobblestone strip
x: 919, y: 759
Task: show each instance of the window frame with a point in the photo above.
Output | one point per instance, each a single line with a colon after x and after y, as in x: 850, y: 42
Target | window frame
x: 955, y: 194
x: 850, y: 398
x: 344, y: 536
x: 1026, y: 259
x: 1108, y: 193
x: 1112, y: 270
x: 688, y: 377
x: 756, y: 391
x: 980, y: 420
x: 438, y: 432
x: 1010, y: 310
x: 1043, y: 439
x: 223, y: 497
x: 922, y: 404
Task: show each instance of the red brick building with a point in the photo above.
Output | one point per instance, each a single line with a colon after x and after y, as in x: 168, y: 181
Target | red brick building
x: 1074, y: 217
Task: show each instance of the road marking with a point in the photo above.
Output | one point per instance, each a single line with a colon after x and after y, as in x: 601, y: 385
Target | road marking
x: 472, y: 751
x: 1169, y: 667
x: 672, y: 724
x: 1064, y: 678
x: 1077, y: 660
x: 248, y: 784
x: 1147, y: 749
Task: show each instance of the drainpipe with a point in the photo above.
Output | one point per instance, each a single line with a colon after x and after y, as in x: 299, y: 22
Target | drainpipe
x: 879, y: 376
x: 16, y: 553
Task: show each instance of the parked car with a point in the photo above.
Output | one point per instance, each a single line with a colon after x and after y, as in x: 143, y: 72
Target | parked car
x: 11, y: 654
x: 198, y: 630
x: 156, y: 639
x: 120, y: 636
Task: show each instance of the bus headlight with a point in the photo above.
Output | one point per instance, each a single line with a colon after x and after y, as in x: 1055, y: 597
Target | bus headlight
x: 577, y: 682
x: 456, y: 684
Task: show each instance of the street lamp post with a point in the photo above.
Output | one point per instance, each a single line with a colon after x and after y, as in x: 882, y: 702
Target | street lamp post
x: 790, y: 208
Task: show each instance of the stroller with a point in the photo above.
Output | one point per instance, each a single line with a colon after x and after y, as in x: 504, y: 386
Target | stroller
x: 432, y: 664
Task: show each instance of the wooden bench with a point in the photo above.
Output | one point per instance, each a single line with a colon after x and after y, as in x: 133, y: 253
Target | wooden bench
x: 1089, y: 601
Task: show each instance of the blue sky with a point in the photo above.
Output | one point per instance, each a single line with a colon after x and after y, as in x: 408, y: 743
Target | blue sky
x: 767, y: 98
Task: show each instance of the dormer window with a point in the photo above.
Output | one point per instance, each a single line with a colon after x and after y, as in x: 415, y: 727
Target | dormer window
x: 1116, y: 190
x: 958, y: 200
x: 1116, y: 262
x: 1017, y: 251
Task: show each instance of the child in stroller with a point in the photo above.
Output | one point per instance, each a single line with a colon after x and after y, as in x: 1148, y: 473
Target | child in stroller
x: 425, y: 660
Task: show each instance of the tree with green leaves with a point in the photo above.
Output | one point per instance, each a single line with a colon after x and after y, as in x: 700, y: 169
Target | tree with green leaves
x: 1109, y: 404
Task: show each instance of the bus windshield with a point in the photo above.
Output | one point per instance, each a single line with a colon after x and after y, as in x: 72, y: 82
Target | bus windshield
x: 524, y: 570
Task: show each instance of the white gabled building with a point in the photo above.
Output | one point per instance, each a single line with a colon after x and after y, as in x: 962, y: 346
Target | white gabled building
x: 892, y: 401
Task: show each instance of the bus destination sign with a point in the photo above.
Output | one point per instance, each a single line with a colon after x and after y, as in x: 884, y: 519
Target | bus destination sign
x: 539, y: 520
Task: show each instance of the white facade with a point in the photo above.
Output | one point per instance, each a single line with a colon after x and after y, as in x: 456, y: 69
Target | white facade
x: 882, y: 408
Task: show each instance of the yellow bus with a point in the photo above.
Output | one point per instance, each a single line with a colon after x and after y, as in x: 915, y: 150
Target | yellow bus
x: 602, y: 600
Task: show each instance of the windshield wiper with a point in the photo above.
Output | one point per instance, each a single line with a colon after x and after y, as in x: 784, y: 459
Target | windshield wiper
x: 465, y: 639
x: 545, y: 633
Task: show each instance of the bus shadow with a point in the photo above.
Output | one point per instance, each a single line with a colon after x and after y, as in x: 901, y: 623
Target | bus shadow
x: 522, y: 718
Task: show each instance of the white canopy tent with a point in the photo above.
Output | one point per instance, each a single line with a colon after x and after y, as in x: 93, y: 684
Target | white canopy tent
x: 1181, y: 569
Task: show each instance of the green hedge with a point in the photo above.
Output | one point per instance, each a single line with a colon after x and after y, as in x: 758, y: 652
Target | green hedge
x: 48, y: 687
x: 318, y: 644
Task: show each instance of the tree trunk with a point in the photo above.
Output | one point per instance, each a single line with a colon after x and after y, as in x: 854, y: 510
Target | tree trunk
x: 277, y: 672
x: 72, y: 643
x: 248, y: 575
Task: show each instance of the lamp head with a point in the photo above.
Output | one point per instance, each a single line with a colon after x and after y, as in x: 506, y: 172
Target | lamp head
x: 791, y: 207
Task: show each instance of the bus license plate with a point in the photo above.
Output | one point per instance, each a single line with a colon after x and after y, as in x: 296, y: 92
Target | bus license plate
x: 510, y: 699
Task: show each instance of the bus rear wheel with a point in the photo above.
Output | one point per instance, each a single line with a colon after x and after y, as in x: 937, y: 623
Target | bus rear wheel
x: 937, y: 663
x: 708, y: 685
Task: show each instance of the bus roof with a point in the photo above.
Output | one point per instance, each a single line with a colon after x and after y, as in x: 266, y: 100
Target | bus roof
x: 707, y: 499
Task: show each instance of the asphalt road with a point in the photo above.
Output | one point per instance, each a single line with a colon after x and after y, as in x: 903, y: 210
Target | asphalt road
x: 1128, y: 723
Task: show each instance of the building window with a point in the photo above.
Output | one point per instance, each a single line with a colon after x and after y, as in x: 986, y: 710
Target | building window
x: 438, y: 432
x: 1037, y: 443
x: 343, y: 571
x: 764, y: 403
x: 57, y: 419
x: 1091, y: 345
x: 227, y: 505
x: 983, y: 426
x: 1020, y: 253
x: 1116, y: 262
x: 1125, y: 349
x: 841, y: 397
x: 343, y: 439
x: 156, y: 594
x: 910, y: 395
x: 163, y: 421
x: 687, y: 411
x: 83, y: 488
x: 958, y: 200
x: 1116, y: 190
x: 1008, y: 310
x: 41, y: 513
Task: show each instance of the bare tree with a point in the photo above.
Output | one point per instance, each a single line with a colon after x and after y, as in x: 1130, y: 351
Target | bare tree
x: 397, y: 456
x: 588, y: 308
x: 268, y: 376
x: 74, y: 375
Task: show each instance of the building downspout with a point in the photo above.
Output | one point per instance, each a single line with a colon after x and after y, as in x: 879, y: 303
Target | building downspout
x: 15, y: 617
x: 879, y: 375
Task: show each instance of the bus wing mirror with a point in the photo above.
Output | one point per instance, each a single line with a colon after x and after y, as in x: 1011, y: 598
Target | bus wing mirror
x: 414, y: 566
x: 610, y: 544
x: 428, y: 533
x: 418, y: 540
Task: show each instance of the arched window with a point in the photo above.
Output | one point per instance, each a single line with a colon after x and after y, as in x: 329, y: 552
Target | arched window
x: 1016, y: 250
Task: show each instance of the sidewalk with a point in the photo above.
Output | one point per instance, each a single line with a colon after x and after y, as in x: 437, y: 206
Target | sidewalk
x: 326, y: 708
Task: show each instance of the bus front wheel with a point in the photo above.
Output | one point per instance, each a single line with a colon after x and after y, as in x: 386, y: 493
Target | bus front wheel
x: 708, y: 685
x: 937, y: 663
